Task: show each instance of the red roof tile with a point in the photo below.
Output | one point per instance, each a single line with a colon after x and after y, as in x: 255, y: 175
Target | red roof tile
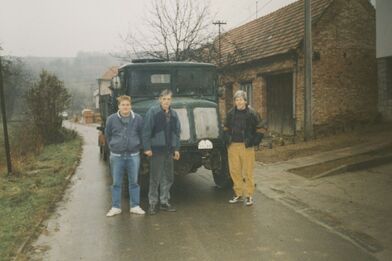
x: 275, y: 33
x: 110, y: 73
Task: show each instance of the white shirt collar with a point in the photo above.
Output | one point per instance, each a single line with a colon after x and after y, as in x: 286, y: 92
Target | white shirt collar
x: 131, y: 113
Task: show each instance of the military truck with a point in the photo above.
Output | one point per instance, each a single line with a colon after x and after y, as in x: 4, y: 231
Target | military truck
x: 195, y: 99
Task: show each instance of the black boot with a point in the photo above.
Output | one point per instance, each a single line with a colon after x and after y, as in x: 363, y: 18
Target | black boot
x: 152, y: 210
x: 167, y: 207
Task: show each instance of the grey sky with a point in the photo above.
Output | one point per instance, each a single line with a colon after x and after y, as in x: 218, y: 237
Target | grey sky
x: 64, y: 27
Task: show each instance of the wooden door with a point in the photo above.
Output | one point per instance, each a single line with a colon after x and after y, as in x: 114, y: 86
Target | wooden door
x: 280, y: 103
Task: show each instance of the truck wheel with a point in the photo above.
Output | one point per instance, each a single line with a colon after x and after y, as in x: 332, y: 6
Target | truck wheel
x: 222, y: 176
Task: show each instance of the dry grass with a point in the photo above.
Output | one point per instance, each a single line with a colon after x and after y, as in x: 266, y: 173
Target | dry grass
x: 26, y: 198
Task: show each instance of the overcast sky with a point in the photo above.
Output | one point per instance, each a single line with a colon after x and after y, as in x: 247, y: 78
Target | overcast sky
x: 64, y: 27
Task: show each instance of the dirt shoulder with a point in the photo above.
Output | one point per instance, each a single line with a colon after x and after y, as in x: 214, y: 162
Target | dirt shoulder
x: 368, y: 134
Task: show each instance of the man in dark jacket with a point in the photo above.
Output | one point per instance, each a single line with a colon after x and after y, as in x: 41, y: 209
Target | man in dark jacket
x: 161, y: 142
x: 123, y: 134
x: 243, y: 130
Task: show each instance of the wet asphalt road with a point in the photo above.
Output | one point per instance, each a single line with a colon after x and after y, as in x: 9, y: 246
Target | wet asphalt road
x: 205, y: 227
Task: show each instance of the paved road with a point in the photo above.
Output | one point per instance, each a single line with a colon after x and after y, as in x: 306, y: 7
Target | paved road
x: 205, y: 227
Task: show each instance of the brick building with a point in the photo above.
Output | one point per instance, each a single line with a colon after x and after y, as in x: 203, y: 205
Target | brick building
x: 265, y: 58
x: 384, y: 57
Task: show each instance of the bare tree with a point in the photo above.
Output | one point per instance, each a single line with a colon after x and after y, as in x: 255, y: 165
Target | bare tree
x: 176, y: 29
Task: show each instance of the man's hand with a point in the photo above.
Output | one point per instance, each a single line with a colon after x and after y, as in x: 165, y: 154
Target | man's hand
x: 148, y: 153
x: 176, y: 155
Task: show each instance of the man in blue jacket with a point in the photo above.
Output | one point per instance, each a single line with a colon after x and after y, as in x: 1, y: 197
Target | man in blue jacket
x: 161, y: 142
x: 123, y: 134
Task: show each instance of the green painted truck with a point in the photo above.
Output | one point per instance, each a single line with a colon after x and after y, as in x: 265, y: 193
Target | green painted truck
x: 195, y: 99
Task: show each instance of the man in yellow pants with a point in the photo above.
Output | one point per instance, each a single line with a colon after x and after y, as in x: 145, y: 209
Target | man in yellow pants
x: 243, y: 131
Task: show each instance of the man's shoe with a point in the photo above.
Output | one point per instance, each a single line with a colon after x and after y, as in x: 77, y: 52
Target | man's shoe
x: 113, y: 211
x: 235, y: 199
x: 167, y: 207
x: 249, y: 201
x: 137, y: 210
x: 152, y: 210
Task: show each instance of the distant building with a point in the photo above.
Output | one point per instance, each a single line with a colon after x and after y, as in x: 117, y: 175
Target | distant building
x: 104, y: 84
x: 265, y: 57
x: 384, y: 57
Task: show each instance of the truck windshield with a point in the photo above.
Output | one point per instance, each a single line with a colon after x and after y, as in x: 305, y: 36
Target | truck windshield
x: 194, y: 82
x: 182, y: 81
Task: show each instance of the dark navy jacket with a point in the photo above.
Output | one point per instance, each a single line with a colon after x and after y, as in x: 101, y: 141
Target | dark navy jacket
x: 155, y: 136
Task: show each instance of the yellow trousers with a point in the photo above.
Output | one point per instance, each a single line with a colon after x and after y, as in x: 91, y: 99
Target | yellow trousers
x: 241, y: 164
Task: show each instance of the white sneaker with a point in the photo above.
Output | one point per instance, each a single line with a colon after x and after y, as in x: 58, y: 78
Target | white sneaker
x: 236, y: 199
x: 137, y: 210
x: 113, y: 211
x: 249, y: 201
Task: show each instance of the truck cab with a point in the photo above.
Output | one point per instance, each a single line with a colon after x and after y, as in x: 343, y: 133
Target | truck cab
x: 195, y: 99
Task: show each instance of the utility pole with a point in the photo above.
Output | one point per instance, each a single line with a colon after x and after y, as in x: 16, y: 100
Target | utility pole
x: 308, y: 124
x: 219, y: 23
x: 4, y: 116
x: 256, y: 8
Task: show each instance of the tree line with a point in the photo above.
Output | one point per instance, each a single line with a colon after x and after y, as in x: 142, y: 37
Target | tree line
x: 33, y: 107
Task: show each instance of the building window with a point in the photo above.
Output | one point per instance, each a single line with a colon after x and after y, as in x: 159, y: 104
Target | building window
x: 248, y: 88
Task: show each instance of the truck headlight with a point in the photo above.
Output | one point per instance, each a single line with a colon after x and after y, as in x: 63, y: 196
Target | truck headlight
x: 205, y: 145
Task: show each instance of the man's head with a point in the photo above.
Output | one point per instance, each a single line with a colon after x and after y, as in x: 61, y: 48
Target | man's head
x: 124, y: 104
x: 240, y: 99
x: 165, y: 99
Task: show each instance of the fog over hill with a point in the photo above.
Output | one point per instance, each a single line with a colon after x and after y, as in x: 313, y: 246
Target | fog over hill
x: 79, y: 73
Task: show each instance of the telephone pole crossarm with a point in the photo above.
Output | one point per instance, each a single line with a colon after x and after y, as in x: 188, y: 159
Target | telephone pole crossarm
x: 219, y: 23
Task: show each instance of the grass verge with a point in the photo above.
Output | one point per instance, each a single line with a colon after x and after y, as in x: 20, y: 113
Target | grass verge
x: 27, y: 198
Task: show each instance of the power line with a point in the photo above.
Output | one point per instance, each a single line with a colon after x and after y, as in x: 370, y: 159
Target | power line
x: 257, y: 11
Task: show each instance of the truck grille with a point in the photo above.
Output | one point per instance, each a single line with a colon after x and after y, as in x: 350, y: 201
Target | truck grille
x: 206, y: 123
x: 183, y: 117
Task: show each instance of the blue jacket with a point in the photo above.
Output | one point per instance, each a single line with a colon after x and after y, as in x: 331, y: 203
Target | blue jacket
x: 122, y: 137
x: 155, y: 136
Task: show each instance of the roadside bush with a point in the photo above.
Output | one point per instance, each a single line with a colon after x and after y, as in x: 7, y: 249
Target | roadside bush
x: 45, y: 101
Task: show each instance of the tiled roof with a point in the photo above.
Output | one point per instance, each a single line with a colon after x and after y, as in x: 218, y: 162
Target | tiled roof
x: 110, y: 73
x: 275, y: 33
